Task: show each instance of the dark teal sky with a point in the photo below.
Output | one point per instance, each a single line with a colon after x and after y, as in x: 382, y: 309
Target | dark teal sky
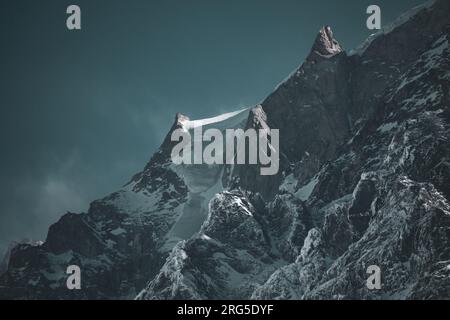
x: 83, y: 111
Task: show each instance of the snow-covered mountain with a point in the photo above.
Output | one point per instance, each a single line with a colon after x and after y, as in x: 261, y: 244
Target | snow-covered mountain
x: 364, y: 180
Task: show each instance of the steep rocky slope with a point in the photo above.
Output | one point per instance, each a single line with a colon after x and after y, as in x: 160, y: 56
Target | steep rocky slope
x: 364, y: 180
x: 124, y: 238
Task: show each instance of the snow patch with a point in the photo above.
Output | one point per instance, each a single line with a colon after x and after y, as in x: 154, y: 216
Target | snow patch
x: 118, y: 231
x: 289, y: 184
x: 387, y: 127
x: 305, y: 192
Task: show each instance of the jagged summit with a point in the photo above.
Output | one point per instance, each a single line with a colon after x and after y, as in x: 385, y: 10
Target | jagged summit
x: 181, y: 118
x: 325, y: 45
x: 363, y: 180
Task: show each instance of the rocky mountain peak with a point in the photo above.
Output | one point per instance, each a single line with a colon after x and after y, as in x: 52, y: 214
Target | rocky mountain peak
x: 178, y: 123
x: 325, y: 44
x: 363, y: 181
x: 180, y: 119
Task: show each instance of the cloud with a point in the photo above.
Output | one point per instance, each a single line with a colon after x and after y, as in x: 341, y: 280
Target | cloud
x: 34, y: 203
x: 57, y: 196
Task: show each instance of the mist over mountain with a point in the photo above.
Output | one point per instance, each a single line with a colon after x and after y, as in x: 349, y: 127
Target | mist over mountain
x: 363, y: 180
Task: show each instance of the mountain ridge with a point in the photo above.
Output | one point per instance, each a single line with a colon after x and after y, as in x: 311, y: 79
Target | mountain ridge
x: 364, y: 175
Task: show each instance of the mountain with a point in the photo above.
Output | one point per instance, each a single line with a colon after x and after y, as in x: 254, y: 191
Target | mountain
x: 124, y: 238
x: 364, y: 180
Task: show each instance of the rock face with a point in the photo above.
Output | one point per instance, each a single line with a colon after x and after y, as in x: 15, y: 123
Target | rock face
x: 124, y: 238
x: 364, y: 180
x: 117, y: 243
